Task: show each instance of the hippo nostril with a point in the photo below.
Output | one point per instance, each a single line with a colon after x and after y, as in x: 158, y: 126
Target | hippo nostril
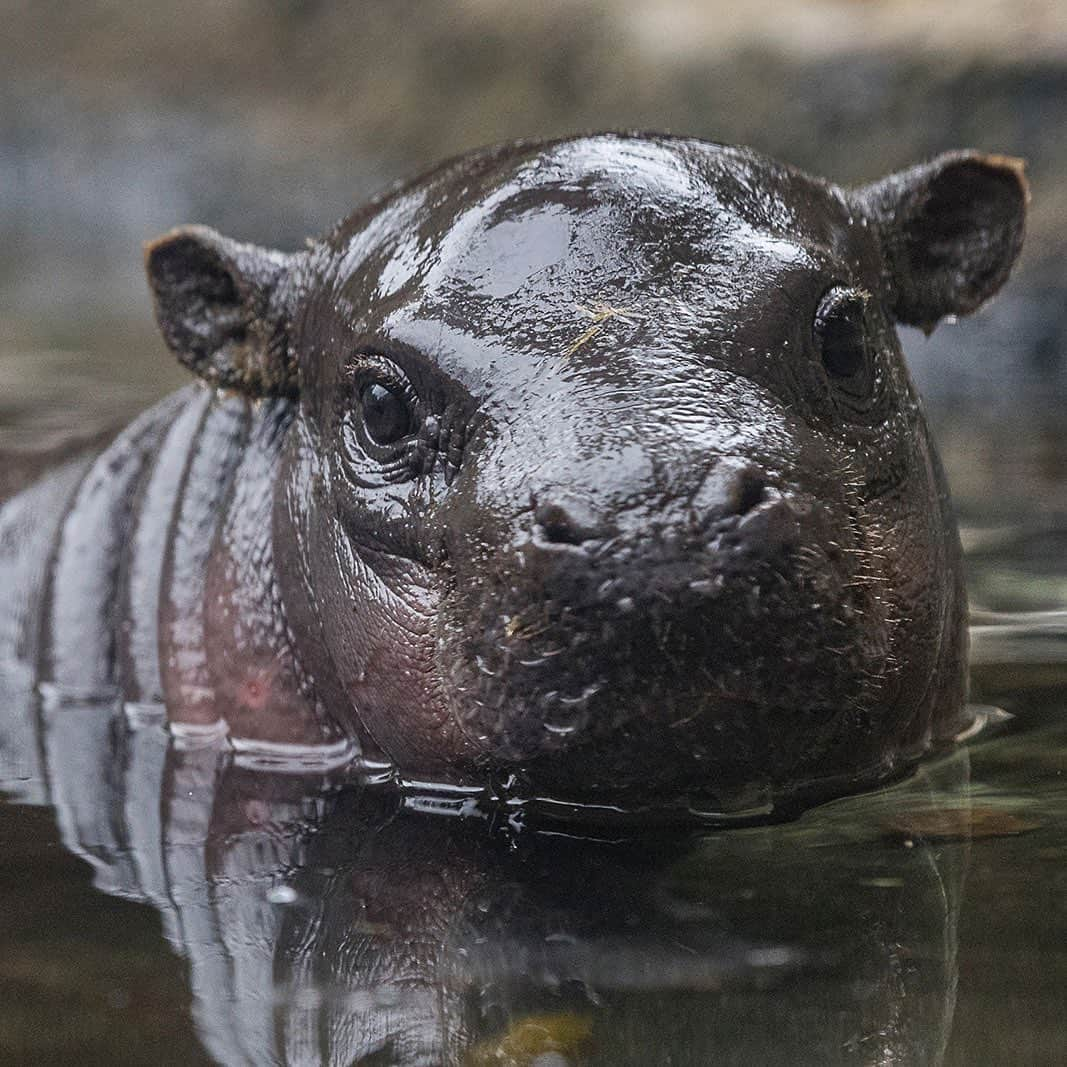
x: 731, y: 491
x: 733, y: 487
x: 749, y: 490
x: 560, y: 526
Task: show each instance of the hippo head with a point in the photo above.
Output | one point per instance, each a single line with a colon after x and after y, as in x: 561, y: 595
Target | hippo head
x: 605, y: 470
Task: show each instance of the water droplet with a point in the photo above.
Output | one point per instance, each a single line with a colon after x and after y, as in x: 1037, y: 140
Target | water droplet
x: 770, y: 957
x: 282, y: 894
x: 708, y: 587
x: 565, y: 714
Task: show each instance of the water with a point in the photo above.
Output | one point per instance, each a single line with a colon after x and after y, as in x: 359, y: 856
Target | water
x: 164, y: 903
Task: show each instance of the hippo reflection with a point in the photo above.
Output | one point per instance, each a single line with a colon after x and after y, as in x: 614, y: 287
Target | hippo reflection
x: 326, y: 925
x: 587, y: 469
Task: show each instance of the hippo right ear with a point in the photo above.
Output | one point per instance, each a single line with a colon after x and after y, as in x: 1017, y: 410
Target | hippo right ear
x: 951, y: 231
x: 221, y: 307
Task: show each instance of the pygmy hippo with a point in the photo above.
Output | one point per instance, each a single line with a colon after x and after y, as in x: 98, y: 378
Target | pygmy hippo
x: 589, y: 468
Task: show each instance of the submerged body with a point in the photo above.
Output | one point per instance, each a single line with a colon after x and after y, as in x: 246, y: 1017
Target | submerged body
x: 591, y: 467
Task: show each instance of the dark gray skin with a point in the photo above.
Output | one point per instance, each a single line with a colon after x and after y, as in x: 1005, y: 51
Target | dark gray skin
x: 688, y: 547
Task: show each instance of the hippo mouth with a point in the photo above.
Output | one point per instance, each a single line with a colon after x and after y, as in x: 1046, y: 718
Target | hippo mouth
x: 625, y: 660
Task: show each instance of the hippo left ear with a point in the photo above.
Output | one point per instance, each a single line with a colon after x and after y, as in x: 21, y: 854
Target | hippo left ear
x: 221, y: 306
x: 951, y: 231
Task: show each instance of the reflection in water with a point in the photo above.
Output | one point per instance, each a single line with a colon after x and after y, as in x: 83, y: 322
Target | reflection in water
x: 327, y: 923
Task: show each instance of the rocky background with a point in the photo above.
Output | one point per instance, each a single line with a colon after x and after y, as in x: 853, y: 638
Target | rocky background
x: 271, y: 120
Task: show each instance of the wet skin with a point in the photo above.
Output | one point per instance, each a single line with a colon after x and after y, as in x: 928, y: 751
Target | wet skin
x: 592, y: 467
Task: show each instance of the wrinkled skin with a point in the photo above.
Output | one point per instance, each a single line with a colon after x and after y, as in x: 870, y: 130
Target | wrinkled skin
x: 661, y: 523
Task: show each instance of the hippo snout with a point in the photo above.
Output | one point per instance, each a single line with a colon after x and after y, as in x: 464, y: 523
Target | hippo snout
x: 626, y: 624
x: 735, y: 519
x: 732, y: 489
x: 665, y: 571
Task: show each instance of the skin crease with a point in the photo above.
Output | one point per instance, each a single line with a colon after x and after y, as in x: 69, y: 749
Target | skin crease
x: 645, y: 540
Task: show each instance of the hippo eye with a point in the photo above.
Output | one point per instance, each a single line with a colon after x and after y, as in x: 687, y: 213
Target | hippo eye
x: 387, y: 413
x: 841, y: 333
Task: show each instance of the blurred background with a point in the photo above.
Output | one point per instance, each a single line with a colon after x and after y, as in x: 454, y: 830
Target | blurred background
x: 271, y: 120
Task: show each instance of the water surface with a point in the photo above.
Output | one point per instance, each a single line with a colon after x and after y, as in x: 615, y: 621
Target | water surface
x: 166, y: 904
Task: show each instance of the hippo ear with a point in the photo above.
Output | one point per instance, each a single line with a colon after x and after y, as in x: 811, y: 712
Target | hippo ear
x: 951, y: 230
x: 222, y: 310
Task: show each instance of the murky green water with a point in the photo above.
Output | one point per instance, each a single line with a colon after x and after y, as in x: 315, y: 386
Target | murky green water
x: 172, y: 906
